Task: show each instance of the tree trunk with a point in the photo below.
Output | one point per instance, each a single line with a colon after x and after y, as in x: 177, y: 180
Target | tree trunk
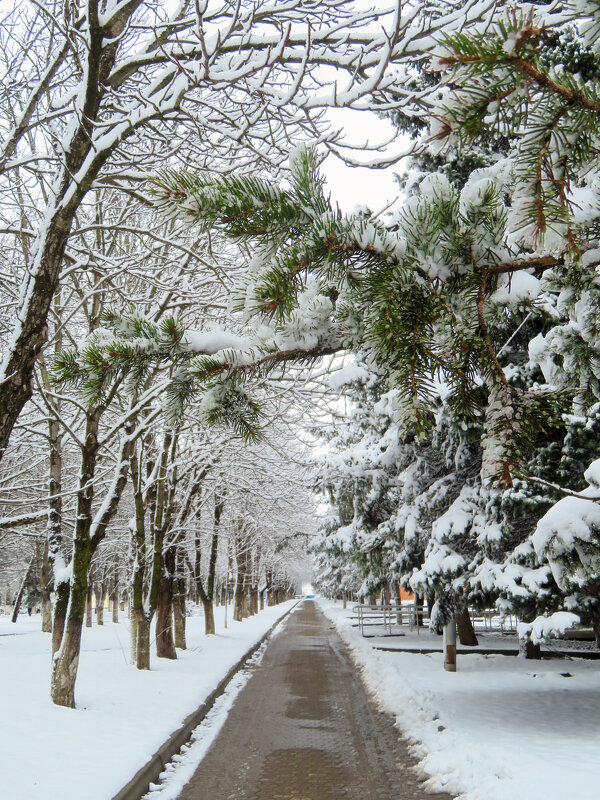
x: 16, y: 385
x: 64, y: 673
x: 179, y: 614
x: 61, y: 603
x: 384, y: 595
x: 238, y: 605
x: 430, y: 604
x: 596, y: 628
x: 42, y: 275
x: 419, y: 604
x: 133, y: 639
x: 44, y: 574
x: 466, y: 634
x: 142, y: 644
x: 528, y: 649
x: 115, y: 604
x: 269, y: 586
x: 397, y: 601
x: 88, y: 607
x: 51, y: 555
x: 595, y: 616
x: 209, y: 616
x: 46, y: 613
x: 140, y: 619
x: 67, y: 661
x: 21, y: 591
x: 262, y: 599
x: 165, y: 646
x: 253, y: 600
x: 65, y: 665
x: 100, y: 605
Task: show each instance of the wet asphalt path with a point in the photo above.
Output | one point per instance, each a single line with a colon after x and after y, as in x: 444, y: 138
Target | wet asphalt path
x: 304, y: 728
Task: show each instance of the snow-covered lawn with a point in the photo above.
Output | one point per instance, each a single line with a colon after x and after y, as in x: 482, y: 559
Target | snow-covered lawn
x: 122, y: 715
x: 500, y: 728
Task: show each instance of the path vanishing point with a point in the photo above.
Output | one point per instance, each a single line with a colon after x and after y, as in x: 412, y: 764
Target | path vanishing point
x: 304, y: 728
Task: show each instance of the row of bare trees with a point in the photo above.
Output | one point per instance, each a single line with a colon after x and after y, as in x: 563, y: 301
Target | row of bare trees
x: 78, y: 472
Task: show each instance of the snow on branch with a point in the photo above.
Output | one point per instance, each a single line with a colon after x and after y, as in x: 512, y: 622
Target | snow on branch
x: 544, y: 628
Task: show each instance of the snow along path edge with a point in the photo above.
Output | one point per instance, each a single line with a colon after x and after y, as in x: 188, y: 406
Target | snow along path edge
x: 139, y: 785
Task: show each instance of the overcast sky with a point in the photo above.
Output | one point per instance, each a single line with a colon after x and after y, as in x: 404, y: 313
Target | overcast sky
x: 352, y: 186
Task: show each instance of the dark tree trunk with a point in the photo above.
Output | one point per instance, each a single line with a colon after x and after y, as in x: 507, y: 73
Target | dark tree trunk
x: 115, y: 603
x: 179, y: 614
x: 140, y: 617
x: 419, y: 605
x: 21, y: 592
x: 430, y: 604
x: 17, y: 390
x: 61, y: 603
x: 238, y: 604
x: 246, y: 604
x: 596, y: 628
x: 142, y: 639
x: 397, y: 602
x: 595, y: 615
x: 52, y: 548
x: 44, y: 575
x: 530, y: 650
x: 88, y: 606
x: 254, y: 600
x: 464, y: 625
x: 16, y: 379
x: 65, y: 665
x: 526, y: 647
x: 209, y: 616
x: 165, y: 646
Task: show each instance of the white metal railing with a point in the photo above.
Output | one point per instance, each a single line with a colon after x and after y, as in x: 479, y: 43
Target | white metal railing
x: 392, y: 617
x: 389, y: 617
x: 490, y: 620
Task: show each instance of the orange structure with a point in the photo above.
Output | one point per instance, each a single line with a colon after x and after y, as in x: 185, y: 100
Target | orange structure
x: 405, y: 596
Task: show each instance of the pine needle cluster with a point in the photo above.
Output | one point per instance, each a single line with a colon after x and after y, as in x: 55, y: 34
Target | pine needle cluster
x: 539, y: 88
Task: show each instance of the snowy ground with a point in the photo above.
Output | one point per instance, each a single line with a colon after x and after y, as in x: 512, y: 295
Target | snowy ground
x: 122, y: 715
x: 500, y: 728
x: 423, y: 640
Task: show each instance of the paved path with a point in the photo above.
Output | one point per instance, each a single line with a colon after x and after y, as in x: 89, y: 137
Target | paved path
x: 303, y: 728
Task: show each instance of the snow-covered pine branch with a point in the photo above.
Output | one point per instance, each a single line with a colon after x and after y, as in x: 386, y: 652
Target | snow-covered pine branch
x: 137, y: 83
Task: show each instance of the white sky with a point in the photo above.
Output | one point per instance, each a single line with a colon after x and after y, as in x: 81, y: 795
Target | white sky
x: 352, y: 186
